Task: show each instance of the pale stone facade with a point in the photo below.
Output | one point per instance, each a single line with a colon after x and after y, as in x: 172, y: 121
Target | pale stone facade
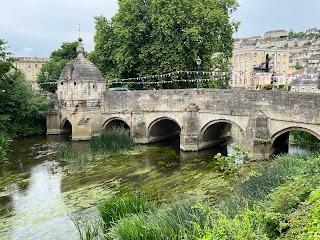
x: 30, y: 66
x: 245, y: 60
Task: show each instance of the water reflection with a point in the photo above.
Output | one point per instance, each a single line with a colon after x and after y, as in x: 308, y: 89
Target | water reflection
x: 39, y: 212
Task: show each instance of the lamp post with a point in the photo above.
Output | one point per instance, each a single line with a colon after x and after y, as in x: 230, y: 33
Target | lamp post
x: 198, y: 63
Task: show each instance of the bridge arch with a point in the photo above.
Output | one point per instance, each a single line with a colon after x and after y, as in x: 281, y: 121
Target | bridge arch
x: 66, y: 126
x: 163, y: 128
x: 115, y: 123
x: 280, y: 140
x: 218, y: 131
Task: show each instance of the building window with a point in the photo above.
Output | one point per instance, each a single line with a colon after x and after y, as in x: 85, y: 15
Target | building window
x: 29, y: 65
x: 22, y: 66
x: 29, y: 74
x: 313, y: 90
x: 74, y: 83
x: 302, y: 89
x: 36, y: 65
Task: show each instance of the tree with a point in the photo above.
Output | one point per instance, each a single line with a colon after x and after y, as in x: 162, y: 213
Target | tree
x: 148, y: 37
x: 58, y: 59
x: 22, y: 111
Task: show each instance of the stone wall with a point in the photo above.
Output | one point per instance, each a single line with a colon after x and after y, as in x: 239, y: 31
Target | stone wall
x: 262, y: 116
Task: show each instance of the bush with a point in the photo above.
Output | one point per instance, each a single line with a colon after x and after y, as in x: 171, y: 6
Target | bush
x: 231, y: 164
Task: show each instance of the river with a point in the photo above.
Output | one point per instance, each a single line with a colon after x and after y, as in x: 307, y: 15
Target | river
x: 36, y: 204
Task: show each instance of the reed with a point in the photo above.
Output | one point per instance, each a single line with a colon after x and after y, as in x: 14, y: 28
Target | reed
x: 113, y: 142
x: 116, y: 208
x: 75, y: 159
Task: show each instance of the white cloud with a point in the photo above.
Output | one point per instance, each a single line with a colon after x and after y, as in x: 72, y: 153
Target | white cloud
x: 44, y: 25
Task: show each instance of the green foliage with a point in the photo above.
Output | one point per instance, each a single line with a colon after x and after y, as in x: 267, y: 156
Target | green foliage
x: 175, y: 221
x: 304, y: 139
x: 268, y: 87
x: 271, y: 176
x: 247, y: 224
x: 298, y: 67
x: 3, y: 145
x: 288, y: 196
x: 157, y: 36
x: 293, y: 34
x: 231, y: 164
x: 22, y: 112
x: 116, y: 208
x: 113, y: 141
x: 58, y: 59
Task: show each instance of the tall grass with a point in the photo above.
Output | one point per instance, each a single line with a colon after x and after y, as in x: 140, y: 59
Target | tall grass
x: 181, y: 220
x: 116, y: 208
x: 112, y: 142
x: 271, y: 176
x: 76, y: 160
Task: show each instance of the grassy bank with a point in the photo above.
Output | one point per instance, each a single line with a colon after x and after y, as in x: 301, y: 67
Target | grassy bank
x: 278, y: 200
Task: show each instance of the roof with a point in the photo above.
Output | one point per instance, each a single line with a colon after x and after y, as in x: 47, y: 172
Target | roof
x: 80, y: 68
x: 274, y: 31
x: 314, y: 57
x: 298, y: 82
x: 300, y: 71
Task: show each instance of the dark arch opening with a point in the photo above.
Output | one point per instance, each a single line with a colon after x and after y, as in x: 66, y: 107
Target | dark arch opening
x: 221, y: 134
x: 66, y: 128
x: 294, y: 140
x: 164, y: 129
x: 116, y: 123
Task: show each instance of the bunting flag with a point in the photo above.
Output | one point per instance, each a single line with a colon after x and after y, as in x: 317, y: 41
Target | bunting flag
x: 220, y: 75
x: 165, y: 75
x: 168, y: 82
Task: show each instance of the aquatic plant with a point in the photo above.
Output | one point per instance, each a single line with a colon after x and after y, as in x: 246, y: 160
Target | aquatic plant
x: 116, y: 208
x: 113, y: 141
x: 75, y: 159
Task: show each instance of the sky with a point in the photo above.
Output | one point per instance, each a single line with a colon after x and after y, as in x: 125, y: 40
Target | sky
x: 38, y: 27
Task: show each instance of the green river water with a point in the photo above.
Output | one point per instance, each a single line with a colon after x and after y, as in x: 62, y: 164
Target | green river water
x: 35, y: 204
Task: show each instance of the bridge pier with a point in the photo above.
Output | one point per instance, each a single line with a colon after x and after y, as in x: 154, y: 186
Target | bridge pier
x: 258, y: 138
x: 189, y: 137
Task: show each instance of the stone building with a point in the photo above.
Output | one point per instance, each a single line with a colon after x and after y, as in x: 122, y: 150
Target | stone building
x: 306, y: 85
x: 245, y: 60
x: 30, y: 66
x: 276, y: 34
x: 80, y: 86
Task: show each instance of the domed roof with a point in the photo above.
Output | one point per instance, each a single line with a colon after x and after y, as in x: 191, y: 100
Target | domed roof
x: 80, y: 68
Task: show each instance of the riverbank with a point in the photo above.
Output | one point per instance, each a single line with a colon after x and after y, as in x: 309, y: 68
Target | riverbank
x: 278, y: 200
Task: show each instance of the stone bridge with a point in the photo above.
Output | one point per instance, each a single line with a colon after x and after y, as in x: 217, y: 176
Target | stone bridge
x: 200, y: 117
